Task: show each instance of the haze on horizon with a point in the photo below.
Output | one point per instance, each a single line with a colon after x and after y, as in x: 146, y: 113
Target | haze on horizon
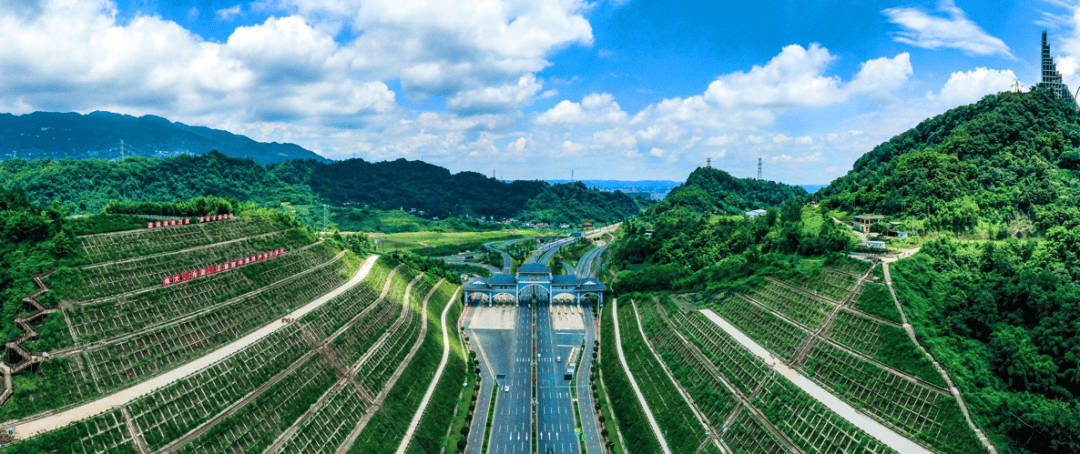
x: 617, y: 89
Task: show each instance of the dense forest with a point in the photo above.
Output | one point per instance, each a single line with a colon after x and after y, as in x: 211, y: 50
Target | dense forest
x: 714, y: 190
x: 573, y: 203
x: 88, y: 185
x: 700, y: 239
x: 1008, y: 162
x: 1005, y: 318
x: 99, y: 134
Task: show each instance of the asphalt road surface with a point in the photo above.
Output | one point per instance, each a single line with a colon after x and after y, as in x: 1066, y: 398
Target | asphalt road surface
x: 547, y: 251
x: 590, y: 426
x: 511, y: 355
x: 556, y: 423
x: 589, y: 263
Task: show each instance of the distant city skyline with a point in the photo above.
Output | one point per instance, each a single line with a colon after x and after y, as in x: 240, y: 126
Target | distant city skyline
x: 615, y: 89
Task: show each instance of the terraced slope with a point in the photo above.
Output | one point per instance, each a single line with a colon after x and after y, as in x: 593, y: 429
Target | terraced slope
x: 269, y: 354
x: 817, y: 327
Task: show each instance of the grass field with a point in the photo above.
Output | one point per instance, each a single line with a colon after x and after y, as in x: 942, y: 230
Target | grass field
x: 444, y: 243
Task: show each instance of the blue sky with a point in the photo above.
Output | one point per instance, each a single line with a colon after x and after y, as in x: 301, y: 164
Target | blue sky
x: 612, y: 89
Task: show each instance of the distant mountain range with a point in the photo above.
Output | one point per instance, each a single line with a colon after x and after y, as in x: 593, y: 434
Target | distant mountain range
x: 659, y: 186
x: 99, y: 135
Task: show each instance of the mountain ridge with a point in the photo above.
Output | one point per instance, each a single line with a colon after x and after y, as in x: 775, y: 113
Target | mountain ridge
x: 98, y: 134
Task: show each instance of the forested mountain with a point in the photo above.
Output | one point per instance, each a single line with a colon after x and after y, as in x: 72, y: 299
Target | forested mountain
x: 700, y: 235
x: 574, y: 203
x: 1008, y: 158
x: 1002, y: 314
x: 410, y: 184
x: 89, y: 184
x: 98, y: 135
x: 714, y: 190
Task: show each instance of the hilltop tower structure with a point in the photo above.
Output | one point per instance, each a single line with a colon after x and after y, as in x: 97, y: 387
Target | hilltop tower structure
x: 1051, y: 78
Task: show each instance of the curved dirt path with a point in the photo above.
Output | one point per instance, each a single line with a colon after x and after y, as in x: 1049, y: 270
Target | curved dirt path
x: 711, y: 436
x: 55, y: 421
x: 941, y: 370
x: 385, y: 392
x: 637, y: 391
x: 434, y: 382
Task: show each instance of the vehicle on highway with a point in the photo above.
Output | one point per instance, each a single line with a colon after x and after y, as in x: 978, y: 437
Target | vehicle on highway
x: 559, y: 359
x: 506, y: 388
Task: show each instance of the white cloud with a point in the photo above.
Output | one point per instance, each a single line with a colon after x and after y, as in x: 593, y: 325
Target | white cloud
x: 804, y: 140
x: 462, y: 48
x: 719, y: 141
x: 656, y: 152
x: 496, y: 98
x: 598, y: 108
x: 956, y: 31
x: 780, y: 138
x: 517, y: 146
x: 970, y: 86
x: 796, y: 78
x: 228, y: 13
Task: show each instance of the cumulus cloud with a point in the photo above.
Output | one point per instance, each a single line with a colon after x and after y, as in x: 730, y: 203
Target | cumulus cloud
x: 476, y: 51
x: 966, y: 87
x: 796, y: 78
x: 953, y: 30
x: 596, y: 108
x: 517, y: 146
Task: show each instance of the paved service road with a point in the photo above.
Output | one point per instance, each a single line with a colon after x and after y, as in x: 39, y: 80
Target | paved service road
x: 547, y: 251
x: 556, y: 423
x: 487, y: 385
x: 590, y: 426
x: 875, y: 429
x: 511, y: 430
x: 589, y: 263
x: 62, y: 418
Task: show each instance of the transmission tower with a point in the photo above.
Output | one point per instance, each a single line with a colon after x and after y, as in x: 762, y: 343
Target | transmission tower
x: 759, y: 168
x: 121, y: 149
x: 324, y: 224
x: 708, y: 163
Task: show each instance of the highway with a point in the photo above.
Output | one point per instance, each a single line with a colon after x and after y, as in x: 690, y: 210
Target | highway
x: 507, y: 260
x: 487, y: 383
x: 589, y: 423
x: 547, y: 251
x: 555, y: 418
x: 590, y: 262
x: 511, y: 353
x: 508, y: 357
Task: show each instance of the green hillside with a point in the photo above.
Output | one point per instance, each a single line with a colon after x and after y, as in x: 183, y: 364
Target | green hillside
x: 714, y: 190
x: 354, y: 186
x: 1008, y: 161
